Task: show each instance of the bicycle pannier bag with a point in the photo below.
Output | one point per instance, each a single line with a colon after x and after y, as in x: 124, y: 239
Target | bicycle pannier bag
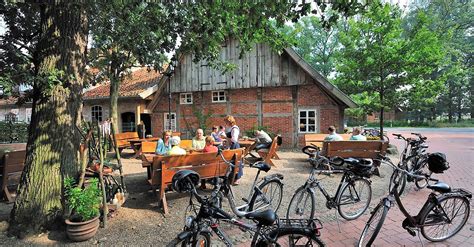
x: 437, y: 162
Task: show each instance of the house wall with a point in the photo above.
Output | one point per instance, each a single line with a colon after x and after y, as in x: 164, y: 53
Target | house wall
x: 273, y: 107
x: 124, y: 105
x: 23, y: 112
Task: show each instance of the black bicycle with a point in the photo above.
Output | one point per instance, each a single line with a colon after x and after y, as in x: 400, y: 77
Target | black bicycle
x: 267, y: 229
x: 353, y: 194
x: 414, y: 159
x: 443, y: 215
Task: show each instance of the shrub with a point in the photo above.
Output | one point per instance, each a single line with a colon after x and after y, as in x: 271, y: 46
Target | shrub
x: 83, y: 203
x: 13, y: 132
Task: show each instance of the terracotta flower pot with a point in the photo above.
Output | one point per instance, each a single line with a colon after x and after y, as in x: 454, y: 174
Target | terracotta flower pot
x: 82, y: 231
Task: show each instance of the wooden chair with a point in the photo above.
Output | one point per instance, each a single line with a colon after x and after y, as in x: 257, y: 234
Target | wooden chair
x: 268, y: 154
x: 147, y: 150
x: 186, y: 144
x: 13, y: 164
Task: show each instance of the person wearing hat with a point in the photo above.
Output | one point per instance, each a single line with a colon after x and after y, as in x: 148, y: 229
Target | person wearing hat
x: 175, y: 148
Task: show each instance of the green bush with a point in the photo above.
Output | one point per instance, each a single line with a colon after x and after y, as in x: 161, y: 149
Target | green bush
x: 428, y: 124
x: 13, y: 132
x: 84, y: 204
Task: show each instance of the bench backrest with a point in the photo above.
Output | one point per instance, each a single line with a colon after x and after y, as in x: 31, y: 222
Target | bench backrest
x: 122, y: 138
x: 208, y: 165
x: 13, y: 162
x: 318, y: 139
x: 355, y: 149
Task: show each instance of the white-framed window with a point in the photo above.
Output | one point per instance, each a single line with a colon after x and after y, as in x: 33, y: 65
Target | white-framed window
x: 307, y: 121
x: 185, y: 98
x: 219, y: 96
x: 96, y: 113
x: 28, y: 115
x: 167, y: 121
x: 11, y: 117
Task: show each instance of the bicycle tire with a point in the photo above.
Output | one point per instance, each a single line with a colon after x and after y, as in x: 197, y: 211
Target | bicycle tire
x: 305, y: 196
x: 381, y: 210
x: 422, y: 183
x: 402, y: 181
x: 271, y: 185
x: 352, y: 187
x: 286, y: 235
x: 188, y: 241
x: 430, y: 216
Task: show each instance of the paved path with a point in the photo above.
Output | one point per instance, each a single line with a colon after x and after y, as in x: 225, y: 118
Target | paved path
x: 458, y: 144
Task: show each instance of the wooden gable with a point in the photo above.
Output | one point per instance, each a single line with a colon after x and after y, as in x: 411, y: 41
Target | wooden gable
x: 259, y: 67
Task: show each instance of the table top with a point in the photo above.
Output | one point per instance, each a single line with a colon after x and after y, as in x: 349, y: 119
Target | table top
x: 151, y: 139
x: 246, y: 142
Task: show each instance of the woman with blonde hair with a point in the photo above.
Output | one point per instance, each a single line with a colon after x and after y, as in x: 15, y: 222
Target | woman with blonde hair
x: 163, y: 146
x: 232, y: 137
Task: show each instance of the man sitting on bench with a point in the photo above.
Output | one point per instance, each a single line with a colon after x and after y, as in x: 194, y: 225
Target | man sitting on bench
x: 333, y: 136
x: 263, y: 140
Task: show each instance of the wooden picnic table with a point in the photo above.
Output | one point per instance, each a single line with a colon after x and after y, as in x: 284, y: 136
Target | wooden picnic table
x: 137, y: 142
x: 249, y: 145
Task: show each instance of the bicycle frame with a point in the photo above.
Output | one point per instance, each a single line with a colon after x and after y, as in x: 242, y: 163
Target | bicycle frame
x: 315, y: 183
x: 241, y: 210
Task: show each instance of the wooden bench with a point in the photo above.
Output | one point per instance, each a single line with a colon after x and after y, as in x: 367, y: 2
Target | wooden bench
x: 268, y: 154
x: 318, y: 139
x: 12, y: 167
x: 123, y: 139
x: 186, y: 144
x: 354, y: 149
x: 208, y: 165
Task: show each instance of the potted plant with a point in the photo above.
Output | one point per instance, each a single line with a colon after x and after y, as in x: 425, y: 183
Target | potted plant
x: 84, y: 208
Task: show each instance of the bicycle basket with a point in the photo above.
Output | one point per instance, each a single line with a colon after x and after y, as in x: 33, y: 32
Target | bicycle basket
x: 361, y: 168
x: 437, y: 162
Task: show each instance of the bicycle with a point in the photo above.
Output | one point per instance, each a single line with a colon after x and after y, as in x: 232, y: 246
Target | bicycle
x: 353, y: 194
x: 413, y: 159
x: 265, y: 193
x: 267, y: 230
x: 442, y: 210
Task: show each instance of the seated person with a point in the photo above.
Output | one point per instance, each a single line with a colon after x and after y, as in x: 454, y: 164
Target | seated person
x: 356, y: 135
x: 215, y: 134
x: 163, y: 146
x: 333, y: 136
x: 263, y: 140
x: 209, y: 148
x: 199, y: 141
x: 221, y: 131
x: 176, y: 149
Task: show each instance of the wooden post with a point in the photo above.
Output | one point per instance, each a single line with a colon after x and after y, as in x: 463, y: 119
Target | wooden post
x: 117, y: 155
x: 105, y: 208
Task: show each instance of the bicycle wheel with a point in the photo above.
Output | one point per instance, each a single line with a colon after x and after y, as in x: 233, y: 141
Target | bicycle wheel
x: 302, y: 204
x: 444, y: 220
x: 373, y: 226
x: 272, y: 191
x: 292, y: 237
x: 402, y: 181
x: 354, y: 198
x: 203, y: 239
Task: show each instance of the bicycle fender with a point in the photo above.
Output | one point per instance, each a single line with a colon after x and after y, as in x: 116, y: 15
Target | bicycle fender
x: 274, y: 176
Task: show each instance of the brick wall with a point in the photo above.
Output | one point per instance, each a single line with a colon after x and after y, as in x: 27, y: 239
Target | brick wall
x: 276, y: 108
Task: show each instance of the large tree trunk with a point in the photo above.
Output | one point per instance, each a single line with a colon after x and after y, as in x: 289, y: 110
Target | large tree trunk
x: 53, y: 142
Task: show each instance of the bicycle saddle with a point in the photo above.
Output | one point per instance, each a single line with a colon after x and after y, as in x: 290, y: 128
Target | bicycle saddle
x: 363, y: 163
x: 266, y: 217
x: 440, y: 187
x: 262, y: 166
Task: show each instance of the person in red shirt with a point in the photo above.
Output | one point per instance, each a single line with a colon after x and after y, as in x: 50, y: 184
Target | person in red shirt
x: 209, y: 148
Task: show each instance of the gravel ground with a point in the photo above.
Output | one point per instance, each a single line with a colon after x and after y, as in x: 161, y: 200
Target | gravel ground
x: 140, y: 222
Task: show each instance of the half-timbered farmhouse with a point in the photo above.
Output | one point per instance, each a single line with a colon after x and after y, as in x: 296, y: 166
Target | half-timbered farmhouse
x: 279, y: 91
